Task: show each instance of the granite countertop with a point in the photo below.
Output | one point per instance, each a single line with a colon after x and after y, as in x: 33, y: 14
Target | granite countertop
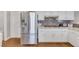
x: 70, y: 28
x: 39, y: 26
x: 75, y: 29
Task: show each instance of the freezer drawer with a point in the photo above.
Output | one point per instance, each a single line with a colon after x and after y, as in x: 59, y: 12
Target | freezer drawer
x: 28, y: 38
x: 33, y: 38
x: 24, y: 38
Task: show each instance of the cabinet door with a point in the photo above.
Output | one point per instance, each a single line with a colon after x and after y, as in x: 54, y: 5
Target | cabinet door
x: 52, y: 35
x: 69, y: 15
x: 61, y: 35
x: 42, y: 35
x: 66, y: 15
x: 62, y: 15
x: 71, y: 37
x: 74, y: 38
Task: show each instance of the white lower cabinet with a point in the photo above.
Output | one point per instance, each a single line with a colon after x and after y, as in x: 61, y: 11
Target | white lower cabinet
x: 52, y: 35
x: 74, y: 38
x: 59, y: 35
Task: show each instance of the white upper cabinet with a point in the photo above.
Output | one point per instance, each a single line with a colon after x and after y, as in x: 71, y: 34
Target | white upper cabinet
x: 69, y: 15
x: 66, y: 15
x: 76, y: 17
x: 62, y: 15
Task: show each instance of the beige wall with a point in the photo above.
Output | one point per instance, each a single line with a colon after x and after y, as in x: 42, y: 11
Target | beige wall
x: 1, y: 20
x: 76, y: 14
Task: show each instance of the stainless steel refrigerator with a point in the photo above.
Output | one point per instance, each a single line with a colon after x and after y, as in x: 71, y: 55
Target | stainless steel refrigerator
x: 28, y: 27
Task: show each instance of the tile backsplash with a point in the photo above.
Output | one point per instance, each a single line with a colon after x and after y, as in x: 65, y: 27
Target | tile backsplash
x: 76, y: 25
x: 55, y: 23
